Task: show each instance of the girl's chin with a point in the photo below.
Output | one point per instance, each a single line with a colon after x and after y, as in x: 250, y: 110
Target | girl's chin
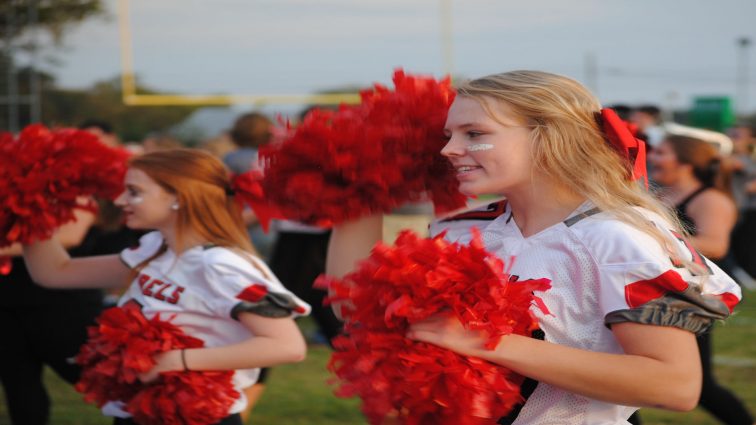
x: 467, y: 192
x: 471, y: 191
x: 133, y: 224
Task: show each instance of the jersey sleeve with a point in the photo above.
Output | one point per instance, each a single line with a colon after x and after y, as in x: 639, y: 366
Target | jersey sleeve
x: 241, y: 284
x: 641, y: 283
x: 149, y: 244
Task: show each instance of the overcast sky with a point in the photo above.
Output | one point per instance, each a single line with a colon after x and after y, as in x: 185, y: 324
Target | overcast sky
x: 645, y: 51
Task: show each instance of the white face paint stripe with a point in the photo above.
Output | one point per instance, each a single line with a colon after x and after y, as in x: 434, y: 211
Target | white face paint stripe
x: 136, y: 200
x: 479, y: 147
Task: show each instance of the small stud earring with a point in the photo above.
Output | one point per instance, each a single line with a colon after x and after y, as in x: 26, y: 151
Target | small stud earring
x: 175, y: 206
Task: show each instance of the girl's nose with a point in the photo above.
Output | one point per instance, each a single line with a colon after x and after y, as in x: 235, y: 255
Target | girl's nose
x: 121, y: 199
x: 453, y: 148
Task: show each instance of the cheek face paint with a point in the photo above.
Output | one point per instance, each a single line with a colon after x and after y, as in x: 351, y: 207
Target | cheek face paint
x: 479, y: 147
x: 136, y: 200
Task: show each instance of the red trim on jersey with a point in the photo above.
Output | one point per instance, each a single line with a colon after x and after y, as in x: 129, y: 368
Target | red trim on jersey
x: 253, y: 293
x: 643, y: 291
x: 695, y: 256
x: 491, y: 212
x: 730, y: 300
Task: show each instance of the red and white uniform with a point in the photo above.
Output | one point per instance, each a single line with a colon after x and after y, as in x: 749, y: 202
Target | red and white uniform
x: 202, y: 291
x: 602, y: 271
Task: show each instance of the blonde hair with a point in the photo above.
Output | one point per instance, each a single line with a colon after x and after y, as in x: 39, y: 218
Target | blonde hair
x: 568, y: 145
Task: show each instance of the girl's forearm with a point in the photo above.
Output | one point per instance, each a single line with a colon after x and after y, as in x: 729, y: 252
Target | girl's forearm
x: 351, y: 242
x: 50, y: 266
x: 256, y: 352
x: 13, y: 250
x: 633, y: 380
x: 45, y: 260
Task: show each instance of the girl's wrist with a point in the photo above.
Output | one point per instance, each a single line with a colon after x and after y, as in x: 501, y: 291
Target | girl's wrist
x: 501, y: 353
x: 184, y: 364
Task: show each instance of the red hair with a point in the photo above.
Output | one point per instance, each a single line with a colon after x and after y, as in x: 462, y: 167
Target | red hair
x: 202, y: 186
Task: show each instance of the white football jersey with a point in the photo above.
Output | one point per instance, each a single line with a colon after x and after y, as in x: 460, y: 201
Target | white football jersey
x: 602, y: 271
x: 201, y: 291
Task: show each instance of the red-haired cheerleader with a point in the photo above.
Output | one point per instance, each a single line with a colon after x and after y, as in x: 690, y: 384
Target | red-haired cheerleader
x: 195, y: 274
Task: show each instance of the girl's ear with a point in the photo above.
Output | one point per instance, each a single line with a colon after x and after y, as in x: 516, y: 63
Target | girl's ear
x: 175, y: 204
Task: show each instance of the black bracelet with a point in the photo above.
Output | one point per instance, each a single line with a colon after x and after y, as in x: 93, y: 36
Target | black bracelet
x: 183, y: 359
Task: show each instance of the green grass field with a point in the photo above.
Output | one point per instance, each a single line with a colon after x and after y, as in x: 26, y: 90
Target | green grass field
x: 299, y: 394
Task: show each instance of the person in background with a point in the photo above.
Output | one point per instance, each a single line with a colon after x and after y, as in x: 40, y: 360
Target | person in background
x: 744, y: 190
x: 103, y: 130
x: 42, y: 327
x: 648, y: 120
x: 623, y: 111
x: 696, y: 183
x: 249, y: 132
x: 219, y: 146
x: 160, y: 141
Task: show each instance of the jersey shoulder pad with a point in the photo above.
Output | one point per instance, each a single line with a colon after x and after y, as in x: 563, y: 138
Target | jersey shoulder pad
x: 485, y: 213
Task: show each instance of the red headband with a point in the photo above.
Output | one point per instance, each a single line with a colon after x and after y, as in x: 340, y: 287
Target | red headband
x: 621, y: 135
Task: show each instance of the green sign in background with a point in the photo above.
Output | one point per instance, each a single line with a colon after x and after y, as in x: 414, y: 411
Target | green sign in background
x: 712, y: 112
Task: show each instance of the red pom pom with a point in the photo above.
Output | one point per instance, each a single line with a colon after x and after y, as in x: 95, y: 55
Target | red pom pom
x: 340, y: 165
x: 123, y: 345
x: 411, y: 120
x: 184, y: 398
x: 44, y: 173
x: 120, y: 348
x: 422, y: 383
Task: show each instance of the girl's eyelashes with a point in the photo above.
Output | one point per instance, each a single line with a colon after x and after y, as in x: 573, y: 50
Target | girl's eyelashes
x: 470, y: 135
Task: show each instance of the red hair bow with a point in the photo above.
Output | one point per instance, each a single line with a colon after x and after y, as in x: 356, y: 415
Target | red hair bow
x: 621, y: 135
x: 248, y: 190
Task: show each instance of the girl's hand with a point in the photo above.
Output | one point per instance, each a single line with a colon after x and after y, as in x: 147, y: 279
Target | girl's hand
x: 446, y: 331
x: 392, y: 418
x: 168, y: 361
